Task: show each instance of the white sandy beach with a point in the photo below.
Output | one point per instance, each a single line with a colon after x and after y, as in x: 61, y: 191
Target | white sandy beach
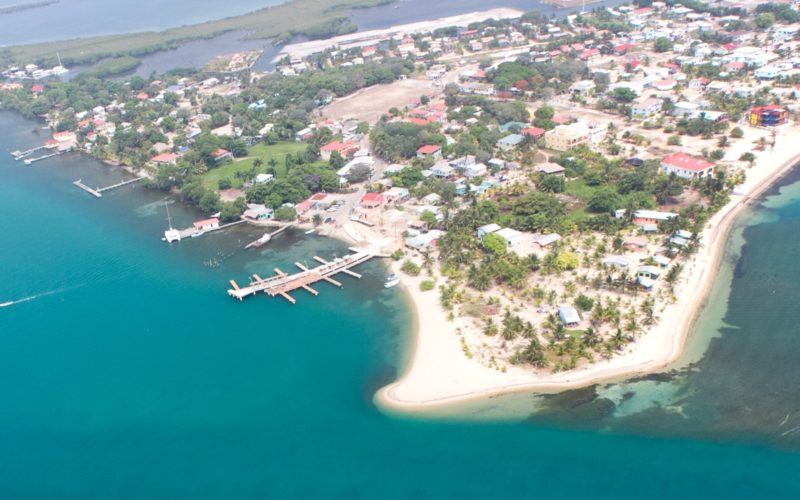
x: 440, y: 373
x: 305, y: 49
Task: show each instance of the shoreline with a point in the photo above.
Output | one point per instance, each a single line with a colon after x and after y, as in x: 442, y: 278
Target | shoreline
x: 367, y: 37
x: 437, y: 374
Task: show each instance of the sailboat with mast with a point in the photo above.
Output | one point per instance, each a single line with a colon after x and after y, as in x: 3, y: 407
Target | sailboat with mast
x: 171, y: 234
x: 60, y: 69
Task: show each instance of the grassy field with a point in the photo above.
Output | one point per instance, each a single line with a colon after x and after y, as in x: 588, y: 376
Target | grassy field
x: 279, y: 21
x: 265, y: 152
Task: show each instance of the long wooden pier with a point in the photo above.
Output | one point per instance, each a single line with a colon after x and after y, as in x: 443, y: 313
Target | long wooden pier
x: 98, y: 192
x: 281, y: 284
x: 86, y: 188
x: 18, y: 155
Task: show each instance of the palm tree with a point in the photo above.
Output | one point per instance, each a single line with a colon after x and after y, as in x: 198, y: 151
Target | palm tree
x: 618, y: 340
x: 590, y: 338
x: 427, y: 261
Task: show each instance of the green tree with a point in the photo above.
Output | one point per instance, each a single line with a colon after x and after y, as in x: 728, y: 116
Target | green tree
x: 428, y: 218
x: 765, y: 20
x: 209, y: 202
x: 662, y: 44
x: 623, y: 94
x: 604, y: 200
x: 494, y: 243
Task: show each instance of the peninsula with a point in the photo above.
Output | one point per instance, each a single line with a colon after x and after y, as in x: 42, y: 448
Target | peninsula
x: 555, y: 193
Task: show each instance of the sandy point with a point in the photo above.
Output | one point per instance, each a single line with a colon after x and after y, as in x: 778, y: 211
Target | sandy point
x: 439, y: 373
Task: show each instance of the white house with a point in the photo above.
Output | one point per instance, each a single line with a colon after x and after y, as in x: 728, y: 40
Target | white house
x: 686, y: 166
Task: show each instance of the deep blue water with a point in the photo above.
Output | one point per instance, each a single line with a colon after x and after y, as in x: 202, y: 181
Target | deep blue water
x: 139, y: 378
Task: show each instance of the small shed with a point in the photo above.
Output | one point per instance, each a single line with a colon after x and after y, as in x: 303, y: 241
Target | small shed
x: 488, y: 228
x: 569, y: 316
x: 544, y: 240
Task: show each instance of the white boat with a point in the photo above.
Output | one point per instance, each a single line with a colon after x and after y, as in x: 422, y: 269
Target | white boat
x: 391, y: 281
x: 171, y: 234
x: 310, y: 231
x: 259, y: 242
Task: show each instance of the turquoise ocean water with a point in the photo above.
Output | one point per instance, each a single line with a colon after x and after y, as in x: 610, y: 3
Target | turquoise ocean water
x: 131, y: 374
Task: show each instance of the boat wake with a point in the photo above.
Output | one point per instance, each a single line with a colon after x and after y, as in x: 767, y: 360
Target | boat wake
x: 30, y: 298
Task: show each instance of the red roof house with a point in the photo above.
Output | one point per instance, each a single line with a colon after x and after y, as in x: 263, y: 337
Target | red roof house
x: 534, y: 132
x: 220, y: 154
x: 686, y: 166
x: 165, y: 158
x: 346, y: 149
x: 372, y: 200
x: 429, y: 150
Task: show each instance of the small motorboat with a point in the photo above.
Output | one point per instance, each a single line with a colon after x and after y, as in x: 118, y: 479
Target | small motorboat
x: 391, y: 281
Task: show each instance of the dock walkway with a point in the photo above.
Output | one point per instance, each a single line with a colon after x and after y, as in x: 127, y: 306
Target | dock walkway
x: 282, y: 283
x: 98, y: 192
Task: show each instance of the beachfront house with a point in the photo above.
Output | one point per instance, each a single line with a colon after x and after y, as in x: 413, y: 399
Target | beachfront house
x: 569, y: 316
x: 662, y: 260
x: 686, y: 166
x: 651, y: 272
x: 646, y: 219
x: 206, y: 224
x: 617, y: 262
x: 372, y: 200
x: 424, y: 241
x: 258, y: 212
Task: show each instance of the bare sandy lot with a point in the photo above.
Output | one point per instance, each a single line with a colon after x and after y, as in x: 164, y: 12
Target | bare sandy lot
x: 369, y: 104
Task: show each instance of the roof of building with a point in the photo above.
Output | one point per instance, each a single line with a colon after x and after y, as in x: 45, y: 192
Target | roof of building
x: 616, y: 260
x: 372, y: 198
x: 338, y: 146
x: 428, y: 149
x: 550, y: 168
x: 568, y: 315
x: 165, y: 157
x: 653, y: 270
x: 533, y: 131
x: 508, y: 234
x: 546, y: 239
x: 512, y: 139
x: 767, y: 108
x: 205, y: 222
x: 686, y: 162
x: 661, y: 260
